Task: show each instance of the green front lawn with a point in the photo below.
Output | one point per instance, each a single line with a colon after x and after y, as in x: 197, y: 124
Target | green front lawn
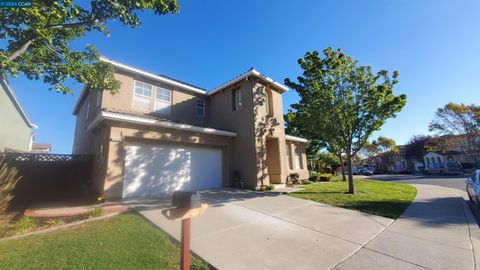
x: 122, y: 242
x: 376, y: 197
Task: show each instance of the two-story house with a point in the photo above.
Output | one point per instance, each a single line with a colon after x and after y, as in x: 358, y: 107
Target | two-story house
x: 158, y: 134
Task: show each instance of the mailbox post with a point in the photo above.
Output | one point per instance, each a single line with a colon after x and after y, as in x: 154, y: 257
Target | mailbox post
x: 186, y: 204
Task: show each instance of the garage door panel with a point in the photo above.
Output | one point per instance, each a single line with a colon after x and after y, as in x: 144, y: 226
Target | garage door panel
x: 207, y: 168
x: 153, y: 170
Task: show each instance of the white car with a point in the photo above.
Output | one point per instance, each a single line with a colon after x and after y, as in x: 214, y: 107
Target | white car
x: 473, y: 187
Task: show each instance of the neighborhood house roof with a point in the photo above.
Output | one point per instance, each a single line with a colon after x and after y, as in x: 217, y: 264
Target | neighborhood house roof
x: 16, y: 103
x: 183, y: 85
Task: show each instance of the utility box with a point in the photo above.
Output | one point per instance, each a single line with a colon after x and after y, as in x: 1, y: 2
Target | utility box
x: 186, y: 199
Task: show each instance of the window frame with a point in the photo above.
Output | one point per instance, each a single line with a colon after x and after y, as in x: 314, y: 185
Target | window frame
x: 298, y: 163
x: 268, y: 102
x: 89, y: 105
x: 136, y: 96
x: 289, y: 156
x: 155, y: 110
x: 237, y: 105
x: 203, y: 108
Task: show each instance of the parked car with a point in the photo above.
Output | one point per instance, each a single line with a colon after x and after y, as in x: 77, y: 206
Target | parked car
x: 468, y: 168
x: 364, y: 171
x: 449, y: 167
x: 403, y: 171
x: 473, y: 187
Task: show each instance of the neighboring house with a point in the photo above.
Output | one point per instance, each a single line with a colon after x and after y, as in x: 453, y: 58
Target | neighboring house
x: 44, y: 148
x: 391, y: 162
x: 435, y: 158
x: 16, y: 129
x: 158, y: 134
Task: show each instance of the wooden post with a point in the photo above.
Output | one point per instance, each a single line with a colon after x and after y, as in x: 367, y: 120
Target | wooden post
x: 185, y: 215
x: 185, y: 252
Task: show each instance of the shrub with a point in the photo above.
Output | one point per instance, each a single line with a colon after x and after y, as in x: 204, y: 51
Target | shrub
x: 294, y: 177
x: 326, y: 177
x: 307, y: 182
x: 25, y: 225
x: 95, y: 212
x: 314, y: 177
x: 8, y: 180
x: 270, y: 187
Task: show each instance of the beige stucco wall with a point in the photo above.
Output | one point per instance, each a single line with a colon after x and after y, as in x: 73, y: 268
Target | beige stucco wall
x: 269, y: 126
x: 121, y: 135
x: 223, y: 116
x: 183, y: 108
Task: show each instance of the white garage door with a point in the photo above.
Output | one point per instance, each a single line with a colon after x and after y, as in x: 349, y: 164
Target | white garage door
x: 159, y: 169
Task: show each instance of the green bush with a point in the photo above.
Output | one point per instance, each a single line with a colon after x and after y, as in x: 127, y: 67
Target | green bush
x: 25, y: 225
x: 270, y: 187
x: 294, y: 178
x: 307, y: 182
x: 314, y: 177
x: 95, y: 212
x: 326, y: 177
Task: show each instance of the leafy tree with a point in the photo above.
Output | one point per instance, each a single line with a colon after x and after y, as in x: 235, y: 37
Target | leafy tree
x: 417, y: 147
x: 459, y: 121
x: 378, y: 151
x: 327, y: 161
x: 293, y: 126
x: 38, y: 38
x: 342, y: 103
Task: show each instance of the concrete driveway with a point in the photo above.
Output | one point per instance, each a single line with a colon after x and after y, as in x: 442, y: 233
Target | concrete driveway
x: 252, y: 230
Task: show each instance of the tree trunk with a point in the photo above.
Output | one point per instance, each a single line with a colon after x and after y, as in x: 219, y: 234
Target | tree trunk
x: 351, y: 188
x: 343, y: 167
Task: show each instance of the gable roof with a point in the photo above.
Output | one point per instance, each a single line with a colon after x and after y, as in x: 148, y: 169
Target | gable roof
x: 245, y: 75
x: 186, y: 86
x: 16, y: 103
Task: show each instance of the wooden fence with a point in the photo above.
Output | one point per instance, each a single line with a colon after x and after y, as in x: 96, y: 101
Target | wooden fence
x: 50, y: 178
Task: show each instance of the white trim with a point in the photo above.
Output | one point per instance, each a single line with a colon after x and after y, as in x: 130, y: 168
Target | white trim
x: 153, y: 122
x: 77, y: 103
x: 251, y: 72
x: 296, y: 139
x: 19, y: 107
x: 152, y: 76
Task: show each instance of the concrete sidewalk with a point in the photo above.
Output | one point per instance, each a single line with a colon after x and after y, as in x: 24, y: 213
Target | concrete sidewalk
x: 437, y: 231
x: 252, y: 230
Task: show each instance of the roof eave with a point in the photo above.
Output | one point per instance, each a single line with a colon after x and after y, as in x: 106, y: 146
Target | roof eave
x: 153, y: 122
x: 296, y: 139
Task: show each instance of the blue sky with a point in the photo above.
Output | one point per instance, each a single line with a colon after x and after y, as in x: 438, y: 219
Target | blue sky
x: 434, y: 44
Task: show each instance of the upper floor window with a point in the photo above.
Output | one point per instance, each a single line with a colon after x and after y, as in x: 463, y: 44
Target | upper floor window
x: 163, y: 100
x: 237, y: 100
x: 298, y: 162
x: 268, y: 102
x: 99, y: 99
x: 143, y: 96
x: 200, y: 107
x: 87, y: 114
